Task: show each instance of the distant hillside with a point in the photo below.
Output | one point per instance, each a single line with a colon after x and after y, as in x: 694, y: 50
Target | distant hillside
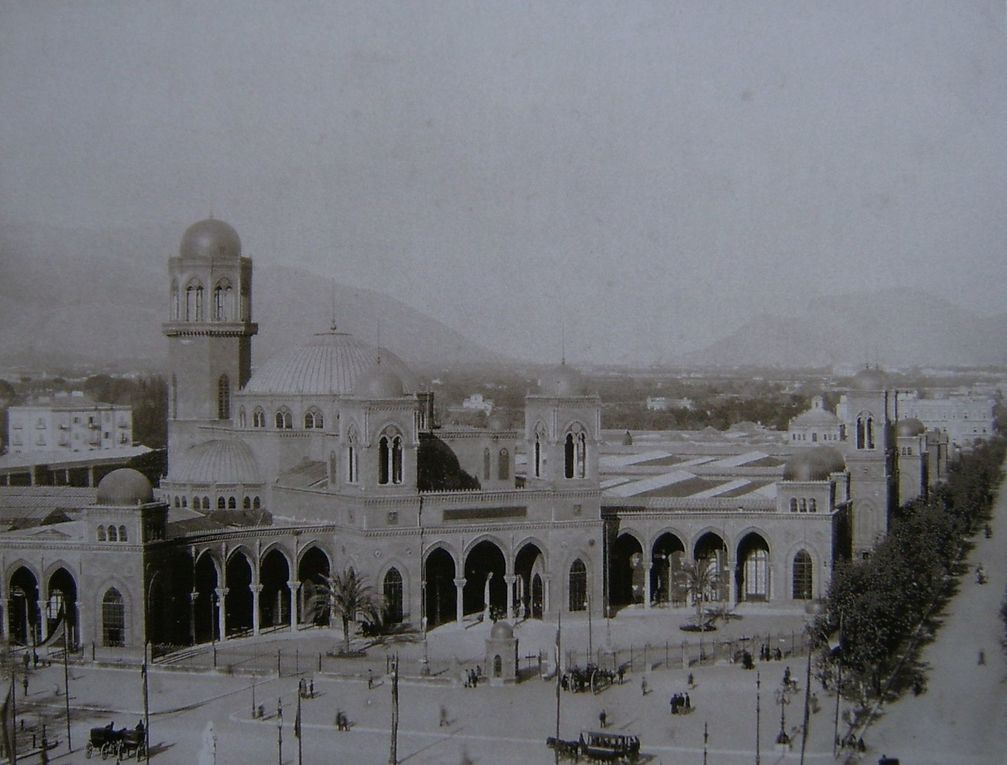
x: 894, y: 327
x: 72, y: 295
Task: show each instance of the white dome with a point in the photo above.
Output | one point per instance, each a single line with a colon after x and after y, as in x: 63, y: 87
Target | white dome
x: 216, y: 462
x: 328, y: 364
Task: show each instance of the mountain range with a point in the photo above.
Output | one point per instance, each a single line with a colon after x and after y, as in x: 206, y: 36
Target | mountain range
x: 70, y: 296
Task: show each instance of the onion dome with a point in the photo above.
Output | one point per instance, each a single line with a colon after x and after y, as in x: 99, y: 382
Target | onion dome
x: 210, y: 238
x: 814, y: 464
x: 501, y: 631
x: 221, y: 461
x: 380, y: 381
x: 910, y: 427
x: 870, y: 380
x: 561, y: 381
x: 124, y: 486
x: 328, y: 364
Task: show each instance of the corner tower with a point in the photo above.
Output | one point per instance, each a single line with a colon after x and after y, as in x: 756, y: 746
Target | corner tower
x: 209, y: 329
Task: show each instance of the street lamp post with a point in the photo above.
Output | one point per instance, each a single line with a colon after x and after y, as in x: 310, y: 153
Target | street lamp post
x: 783, y: 698
x: 590, y: 633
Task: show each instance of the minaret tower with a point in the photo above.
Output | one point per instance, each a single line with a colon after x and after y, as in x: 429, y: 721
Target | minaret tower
x: 209, y: 330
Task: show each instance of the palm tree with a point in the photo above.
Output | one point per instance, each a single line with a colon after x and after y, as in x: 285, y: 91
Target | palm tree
x: 345, y: 594
x: 698, y: 577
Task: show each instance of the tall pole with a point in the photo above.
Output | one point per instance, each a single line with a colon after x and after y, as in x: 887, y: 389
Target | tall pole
x: 559, y: 648
x: 807, y: 698
x: 298, y: 728
x: 758, y: 713
x: 146, y: 706
x: 706, y: 739
x: 13, y: 714
x: 590, y: 640
x: 839, y: 689
x: 393, y: 754
x: 279, y: 732
x: 66, y: 685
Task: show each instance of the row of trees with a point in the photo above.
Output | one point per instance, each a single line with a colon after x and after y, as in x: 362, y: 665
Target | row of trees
x: 876, y: 605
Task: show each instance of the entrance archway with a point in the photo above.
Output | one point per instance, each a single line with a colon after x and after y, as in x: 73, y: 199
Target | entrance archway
x: 274, y: 597
x: 529, y: 568
x: 312, y: 570
x: 666, y: 561
x: 484, y: 561
x: 752, y: 573
x: 23, y: 610
x: 62, y: 603
x: 238, y: 601
x: 627, y: 575
x: 440, y: 595
x: 204, y: 605
x: 710, y: 547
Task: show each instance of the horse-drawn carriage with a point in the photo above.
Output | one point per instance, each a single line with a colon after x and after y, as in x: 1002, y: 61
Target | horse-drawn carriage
x: 121, y: 743
x: 598, y: 746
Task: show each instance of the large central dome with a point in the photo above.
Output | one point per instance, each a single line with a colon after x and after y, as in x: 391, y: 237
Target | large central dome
x: 328, y: 364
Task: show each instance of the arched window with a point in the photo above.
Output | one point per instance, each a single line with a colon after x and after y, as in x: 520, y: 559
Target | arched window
x: 185, y: 501
x: 113, y: 619
x: 581, y: 467
x: 313, y: 420
x: 221, y: 503
x: 793, y: 504
x: 255, y: 504
x: 232, y: 503
x: 175, y: 302
x: 194, y: 301
x: 351, y: 455
x: 802, y: 576
x: 223, y: 398
x: 392, y: 590
x: 870, y: 432
x: 258, y: 418
x: 538, y: 456
x: 206, y: 503
x: 122, y: 533
x: 241, y: 417
x: 812, y: 505
x: 804, y: 505
x: 178, y: 502
x: 486, y: 464
x: 283, y: 420
x: 101, y: 533
x: 568, y: 449
x: 113, y: 534
x: 383, y: 453
x: 578, y: 586
x: 221, y: 300
x: 497, y: 666
x: 860, y: 433
x: 503, y: 465
x: 196, y: 503
x: 246, y: 503
x: 397, y: 459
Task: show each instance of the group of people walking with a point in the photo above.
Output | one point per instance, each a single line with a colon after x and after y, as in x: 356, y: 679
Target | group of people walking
x: 680, y: 703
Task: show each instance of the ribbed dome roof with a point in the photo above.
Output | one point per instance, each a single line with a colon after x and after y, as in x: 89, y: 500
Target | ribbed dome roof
x: 501, y: 631
x: 328, y: 364
x: 561, y: 381
x: 210, y: 238
x: 124, y: 486
x: 815, y: 417
x: 910, y: 427
x: 217, y: 461
x: 813, y: 464
x: 870, y: 380
x: 379, y: 382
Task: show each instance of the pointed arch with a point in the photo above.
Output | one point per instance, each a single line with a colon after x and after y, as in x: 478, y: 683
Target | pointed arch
x: 577, y: 586
x: 222, y: 300
x: 802, y: 576
x: 258, y: 417
x: 391, y: 589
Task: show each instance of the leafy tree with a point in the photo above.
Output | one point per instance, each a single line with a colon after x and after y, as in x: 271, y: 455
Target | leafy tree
x: 698, y: 578
x: 347, y: 595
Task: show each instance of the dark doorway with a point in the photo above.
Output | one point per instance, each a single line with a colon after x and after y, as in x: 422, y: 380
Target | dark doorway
x: 440, y: 595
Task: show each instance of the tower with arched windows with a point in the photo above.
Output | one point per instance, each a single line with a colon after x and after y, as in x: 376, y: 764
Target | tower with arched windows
x: 562, y: 423
x: 209, y: 328
x: 867, y: 413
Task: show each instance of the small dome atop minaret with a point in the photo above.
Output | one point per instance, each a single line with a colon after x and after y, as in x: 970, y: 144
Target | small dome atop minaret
x: 210, y: 238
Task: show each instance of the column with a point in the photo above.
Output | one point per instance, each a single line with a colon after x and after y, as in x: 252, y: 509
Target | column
x: 728, y: 571
x: 90, y: 475
x: 546, y: 595
x: 294, y: 587
x: 78, y: 639
x: 646, y: 584
x: 486, y: 597
x: 511, y: 596
x: 193, y: 597
x: 256, y: 591
x: 43, y: 623
x: 221, y: 616
x: 460, y: 600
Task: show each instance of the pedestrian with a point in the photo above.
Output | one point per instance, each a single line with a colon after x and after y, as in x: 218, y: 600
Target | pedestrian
x: 24, y: 684
x: 786, y: 677
x: 603, y: 718
x: 674, y: 703
x: 982, y: 657
x: 25, y: 660
x: 622, y: 673
x: 692, y: 684
x: 444, y: 716
x: 370, y: 678
x: 643, y: 686
x: 688, y: 702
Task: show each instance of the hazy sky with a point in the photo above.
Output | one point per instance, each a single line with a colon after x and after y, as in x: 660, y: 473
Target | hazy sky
x: 652, y: 172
